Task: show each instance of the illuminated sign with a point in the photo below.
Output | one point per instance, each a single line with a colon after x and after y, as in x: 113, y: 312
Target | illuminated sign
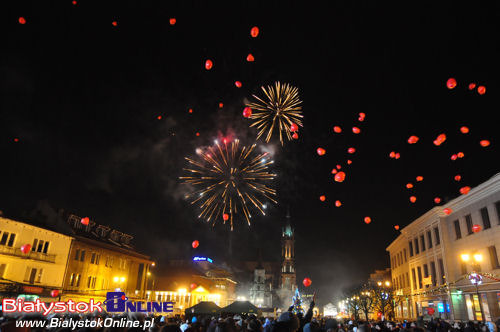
x: 202, y: 259
x: 440, y: 307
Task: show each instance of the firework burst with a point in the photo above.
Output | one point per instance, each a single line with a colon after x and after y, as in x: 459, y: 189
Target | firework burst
x: 229, y: 179
x: 278, y: 110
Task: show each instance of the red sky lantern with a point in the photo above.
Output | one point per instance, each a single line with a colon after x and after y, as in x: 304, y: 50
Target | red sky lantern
x: 337, y: 129
x: 250, y: 57
x: 338, y: 167
x: 437, y: 200
x: 419, y: 178
x: 238, y: 84
x: 340, y: 177
x: 159, y: 117
x: 193, y: 285
x: 397, y: 156
x: 334, y: 171
x: 457, y: 177
x: 16, y: 140
x: 472, y: 86
x: 447, y: 211
x: 85, y: 221
x: 481, y: 90
x: 440, y: 139
x: 195, y: 244
x: 322, y: 198
x: 413, y: 199
x: 54, y: 293
x: 484, y: 143
x: 392, y: 154
x: 254, y: 32
x: 190, y: 110
x: 451, y: 83
x: 73, y: 2
x: 247, y: 112
x: 114, y: 23
x: 338, y: 203
x: 208, y: 64
x: 412, y: 140
x: 465, y: 190
x: 368, y: 220
x: 349, y: 161
x: 320, y: 151
x: 295, y: 136
x: 356, y: 130
x: 464, y: 130
x: 409, y: 185
x: 197, y: 134
x: 460, y: 155
x: 476, y: 228
x: 221, y: 105
x: 396, y: 227
x: 25, y: 248
x: 307, y: 282
x: 351, y: 150
x: 453, y: 157
x: 225, y: 217
x: 173, y: 21
x: 361, y: 117
x: 22, y: 20
x: 294, y: 127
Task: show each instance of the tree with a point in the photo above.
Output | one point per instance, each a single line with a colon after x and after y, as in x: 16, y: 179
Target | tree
x: 366, y: 301
x: 383, y: 300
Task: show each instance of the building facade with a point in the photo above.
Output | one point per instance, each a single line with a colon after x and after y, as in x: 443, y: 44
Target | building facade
x: 443, y: 250
x: 39, y: 270
x: 261, y: 290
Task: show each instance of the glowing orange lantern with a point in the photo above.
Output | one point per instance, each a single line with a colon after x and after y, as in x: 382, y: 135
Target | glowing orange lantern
x: 22, y: 20
x: 16, y: 139
x: 447, y: 211
x: 451, y: 83
x: 481, y: 90
x: 437, y: 200
x: 334, y: 171
x: 294, y: 127
x: 453, y: 157
x: 476, y: 228
x: 25, y: 248
x: 413, y: 139
x: 221, y: 105
x: 208, y: 64
x: 320, y: 151
x: 73, y: 2
x: 173, y: 21
x: 338, y: 167
x: 195, y: 244
x: 254, y: 32
x: 197, y: 134
x: 159, y: 117
x: 464, y: 130
x: 361, y: 117
x: 238, y: 84
x: 392, y: 154
x: 54, y: 293
x: 460, y: 155
x: 114, y: 23
x: 472, y: 86
x: 295, y: 136
x: 225, y: 217
x: 351, y: 150
x: 338, y: 203
x: 409, y: 185
x: 413, y: 199
x: 340, y: 177
x: 368, y: 220
x: 464, y: 190
x: 356, y: 130
x: 484, y: 143
x: 250, y: 57
x: 440, y: 139
x: 458, y: 177
x: 419, y: 178
x: 247, y: 112
x: 322, y: 198
x: 193, y: 286
x: 307, y: 282
x: 396, y: 227
x: 190, y: 110
x: 349, y: 161
x: 85, y: 221
x: 397, y: 156
x: 337, y: 129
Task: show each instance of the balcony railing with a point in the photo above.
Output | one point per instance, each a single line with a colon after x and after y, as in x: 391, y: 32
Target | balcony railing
x: 39, y: 256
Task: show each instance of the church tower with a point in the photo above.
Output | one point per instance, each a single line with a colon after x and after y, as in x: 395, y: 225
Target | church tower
x: 288, y: 277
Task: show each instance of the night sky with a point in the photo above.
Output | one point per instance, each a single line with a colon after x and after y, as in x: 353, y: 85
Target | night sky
x: 82, y: 97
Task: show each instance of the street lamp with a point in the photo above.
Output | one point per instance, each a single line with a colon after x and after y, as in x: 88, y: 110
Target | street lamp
x: 474, y: 278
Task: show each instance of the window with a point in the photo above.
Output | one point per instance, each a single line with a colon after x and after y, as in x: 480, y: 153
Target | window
x: 27, y: 273
x: 410, y: 245
x: 82, y: 256
x: 433, y: 273
x: 417, y: 250
x: 468, y: 222
x: 429, y: 239
x: 400, y: 257
x: 35, y: 242
x: 7, y: 239
x: 46, y: 247
x: 109, y: 261
x: 458, y: 233
x: 40, y: 246
x: 486, y: 218
x: 89, y: 281
x: 436, y: 235
x: 404, y: 254
x: 39, y: 276
x: 414, y: 278
x: 407, y: 280
x: 32, y: 275
x: 419, y: 272
x: 441, y: 271
x: 497, y: 205
x: 93, y: 258
x: 77, y: 254
x: 77, y: 282
x: 11, y: 240
x: 422, y: 241
x: 491, y: 249
x: 2, y: 270
x: 72, y: 279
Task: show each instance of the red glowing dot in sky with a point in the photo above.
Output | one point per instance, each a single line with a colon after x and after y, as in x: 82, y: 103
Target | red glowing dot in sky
x: 396, y: 227
x: 440, y: 139
x: 349, y: 161
x: 190, y: 110
x: 453, y: 157
x: 338, y: 203
x: 247, y: 112
x: 16, y: 139
x: 460, y: 155
x: 351, y: 150
x: 172, y: 21
x: 123, y: 297
x: 250, y: 57
x: 448, y: 211
x: 337, y: 129
x: 208, y: 64
x: 419, y: 178
x: 413, y: 199
x: 293, y: 127
x: 465, y: 190
x: 197, y: 134
x: 334, y: 171
x: 85, y: 221
x: 472, y: 86
x: 22, y: 20
x: 481, y: 90
x: 339, y: 167
x: 322, y: 198
x: 368, y: 220
x: 392, y: 154
x: 254, y: 32
x: 476, y: 228
x: 464, y: 130
x: 361, y: 117
x: 356, y: 130
x: 320, y: 151
x: 114, y: 23
x: 73, y: 2
x: 221, y: 105
x: 451, y: 83
x: 457, y: 177
x: 397, y: 156
x: 295, y: 136
x: 413, y: 139
x: 409, y: 185
x: 484, y: 143
x: 225, y: 216
x: 238, y: 84
x: 340, y: 177
x: 159, y: 117
x: 437, y: 200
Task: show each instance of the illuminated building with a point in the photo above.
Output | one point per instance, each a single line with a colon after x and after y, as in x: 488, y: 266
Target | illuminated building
x: 441, y: 252
x: 38, y: 271
x: 288, y: 276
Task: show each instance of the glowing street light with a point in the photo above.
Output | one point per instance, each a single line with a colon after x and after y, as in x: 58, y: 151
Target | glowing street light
x: 465, y: 257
